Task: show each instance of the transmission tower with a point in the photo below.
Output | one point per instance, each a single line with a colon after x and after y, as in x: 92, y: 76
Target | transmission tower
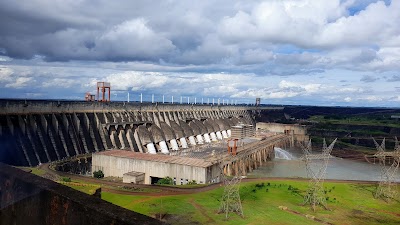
x: 387, y: 187
x: 316, y: 173
x: 231, y: 198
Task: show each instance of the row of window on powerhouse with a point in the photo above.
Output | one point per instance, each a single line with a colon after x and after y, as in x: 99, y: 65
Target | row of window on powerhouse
x: 186, y: 181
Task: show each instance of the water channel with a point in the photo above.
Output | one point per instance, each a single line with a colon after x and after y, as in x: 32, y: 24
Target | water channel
x: 288, y: 164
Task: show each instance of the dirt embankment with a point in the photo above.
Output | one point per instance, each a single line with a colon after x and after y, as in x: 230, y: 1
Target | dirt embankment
x: 349, y: 154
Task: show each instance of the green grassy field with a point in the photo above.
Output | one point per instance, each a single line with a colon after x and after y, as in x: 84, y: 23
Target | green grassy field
x: 348, y: 204
x: 33, y: 170
x: 81, y: 186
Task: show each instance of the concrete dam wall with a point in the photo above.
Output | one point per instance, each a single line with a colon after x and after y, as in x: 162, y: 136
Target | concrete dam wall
x: 34, y: 132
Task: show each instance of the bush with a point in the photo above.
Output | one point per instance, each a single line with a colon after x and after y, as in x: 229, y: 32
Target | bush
x: 66, y: 179
x: 192, y: 182
x: 260, y: 185
x: 98, y: 174
x: 166, y: 180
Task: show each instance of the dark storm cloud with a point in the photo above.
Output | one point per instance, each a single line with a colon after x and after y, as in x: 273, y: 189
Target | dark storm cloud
x: 110, y: 31
x: 175, y: 32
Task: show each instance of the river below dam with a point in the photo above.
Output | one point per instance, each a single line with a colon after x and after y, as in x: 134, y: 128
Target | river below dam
x: 287, y: 164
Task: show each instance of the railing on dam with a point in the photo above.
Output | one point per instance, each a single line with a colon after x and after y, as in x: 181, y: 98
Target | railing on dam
x: 9, y: 106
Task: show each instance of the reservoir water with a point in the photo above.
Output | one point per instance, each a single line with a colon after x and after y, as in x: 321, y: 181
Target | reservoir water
x: 288, y: 164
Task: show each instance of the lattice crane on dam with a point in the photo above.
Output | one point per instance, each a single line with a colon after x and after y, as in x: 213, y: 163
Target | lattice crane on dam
x: 316, y: 172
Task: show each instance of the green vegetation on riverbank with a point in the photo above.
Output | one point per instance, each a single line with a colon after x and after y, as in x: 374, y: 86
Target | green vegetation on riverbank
x: 376, y: 120
x: 349, y: 203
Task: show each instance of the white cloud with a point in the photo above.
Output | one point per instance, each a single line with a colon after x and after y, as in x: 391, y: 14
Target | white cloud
x: 348, y: 90
x: 281, y: 94
x: 20, y: 82
x: 285, y: 89
x: 376, y: 24
x: 388, y: 58
x: 220, y: 90
x: 133, y: 39
x: 254, y: 56
x: 371, y: 98
x: 395, y: 98
x: 320, y: 23
x: 5, y: 59
x: 135, y: 80
x: 347, y: 99
x: 307, y: 88
x: 265, y: 93
x: 60, y: 83
x: 210, y: 51
x: 5, y: 74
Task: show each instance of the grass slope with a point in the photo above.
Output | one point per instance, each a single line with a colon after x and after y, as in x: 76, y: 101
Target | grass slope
x: 348, y: 204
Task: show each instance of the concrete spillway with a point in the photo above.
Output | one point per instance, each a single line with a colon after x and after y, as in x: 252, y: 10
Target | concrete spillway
x: 34, y: 132
x: 200, y: 139
x: 213, y: 136
x: 183, y: 143
x: 224, y: 134
x: 174, y: 145
x: 192, y: 141
x: 219, y: 135
x: 164, y: 147
x: 151, y: 149
x: 207, y: 138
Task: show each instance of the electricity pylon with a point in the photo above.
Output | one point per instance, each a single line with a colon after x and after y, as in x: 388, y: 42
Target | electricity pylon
x: 387, y: 187
x: 316, y: 173
x: 231, y: 197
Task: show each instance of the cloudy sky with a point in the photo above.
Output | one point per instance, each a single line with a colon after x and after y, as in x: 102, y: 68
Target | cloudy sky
x: 306, y: 52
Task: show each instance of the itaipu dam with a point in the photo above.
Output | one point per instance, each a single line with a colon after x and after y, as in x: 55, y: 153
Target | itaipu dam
x: 140, y: 142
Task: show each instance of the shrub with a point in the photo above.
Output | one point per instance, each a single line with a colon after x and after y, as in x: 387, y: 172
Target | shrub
x: 192, y: 182
x: 98, y: 174
x: 66, y: 179
x: 261, y: 185
x: 166, y: 180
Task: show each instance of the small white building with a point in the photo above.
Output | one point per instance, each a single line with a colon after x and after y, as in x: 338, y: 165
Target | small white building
x: 133, y: 177
x: 148, y: 168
